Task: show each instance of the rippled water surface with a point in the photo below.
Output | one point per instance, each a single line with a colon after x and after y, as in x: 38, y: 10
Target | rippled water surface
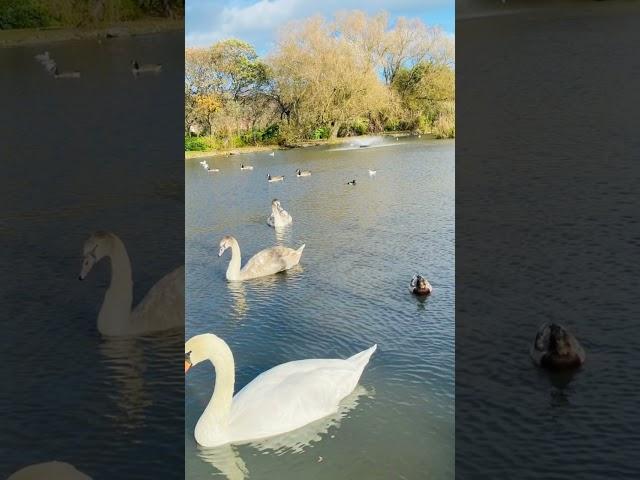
x: 363, y: 244
x: 75, y: 161
x: 556, y: 186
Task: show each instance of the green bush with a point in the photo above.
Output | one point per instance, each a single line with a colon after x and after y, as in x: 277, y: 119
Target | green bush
x: 321, y: 133
x: 360, y: 126
x: 271, y: 133
x: 199, y: 144
x: 23, y: 14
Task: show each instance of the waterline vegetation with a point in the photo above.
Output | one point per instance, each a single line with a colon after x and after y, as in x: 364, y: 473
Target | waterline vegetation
x: 351, y: 75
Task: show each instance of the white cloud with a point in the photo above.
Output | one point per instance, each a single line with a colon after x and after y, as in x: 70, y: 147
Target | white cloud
x: 258, y: 22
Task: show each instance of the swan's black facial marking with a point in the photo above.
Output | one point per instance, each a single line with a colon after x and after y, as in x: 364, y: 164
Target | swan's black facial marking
x: 187, y: 356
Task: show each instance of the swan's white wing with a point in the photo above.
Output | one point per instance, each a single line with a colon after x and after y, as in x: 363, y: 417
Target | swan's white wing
x: 163, y: 306
x: 269, y: 261
x: 290, y: 396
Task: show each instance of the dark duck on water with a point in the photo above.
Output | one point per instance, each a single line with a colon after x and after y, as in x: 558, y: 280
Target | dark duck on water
x: 420, y: 286
x: 555, y: 348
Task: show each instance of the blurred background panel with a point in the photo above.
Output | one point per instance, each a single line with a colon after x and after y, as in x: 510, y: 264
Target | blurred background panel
x: 91, y: 143
x: 546, y: 187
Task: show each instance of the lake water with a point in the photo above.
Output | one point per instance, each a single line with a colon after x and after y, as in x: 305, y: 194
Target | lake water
x: 363, y: 244
x: 78, y: 155
x: 547, y: 229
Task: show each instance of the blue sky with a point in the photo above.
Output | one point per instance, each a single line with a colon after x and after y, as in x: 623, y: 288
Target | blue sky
x: 257, y: 21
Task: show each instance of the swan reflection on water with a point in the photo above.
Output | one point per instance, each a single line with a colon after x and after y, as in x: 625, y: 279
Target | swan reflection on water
x: 127, y: 361
x: 260, y: 288
x: 229, y: 462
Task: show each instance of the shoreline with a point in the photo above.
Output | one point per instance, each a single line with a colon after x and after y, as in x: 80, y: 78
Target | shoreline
x: 188, y: 155
x: 38, y: 36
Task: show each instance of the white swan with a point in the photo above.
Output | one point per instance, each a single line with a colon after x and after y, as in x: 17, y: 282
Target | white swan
x: 280, y: 400
x: 265, y: 262
x: 162, y: 308
x: 136, y: 68
x: 272, y: 154
x: 372, y: 172
x: 279, y: 216
x: 58, y: 74
x: 246, y: 167
x: 303, y: 173
x: 275, y: 178
x: 49, y: 470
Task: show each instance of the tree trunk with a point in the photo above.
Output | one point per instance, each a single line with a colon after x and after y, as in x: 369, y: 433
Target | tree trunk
x: 335, y: 127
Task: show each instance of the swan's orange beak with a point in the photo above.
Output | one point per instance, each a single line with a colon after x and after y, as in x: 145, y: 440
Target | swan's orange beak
x: 187, y: 366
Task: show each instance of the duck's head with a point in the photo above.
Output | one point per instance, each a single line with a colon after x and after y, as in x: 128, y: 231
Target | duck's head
x: 559, y: 341
x: 268, y: 176
x: 97, y: 246
x: 422, y: 286
x: 225, y: 243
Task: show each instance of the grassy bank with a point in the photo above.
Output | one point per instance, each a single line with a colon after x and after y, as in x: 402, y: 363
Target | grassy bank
x: 270, y: 148
x: 35, y: 36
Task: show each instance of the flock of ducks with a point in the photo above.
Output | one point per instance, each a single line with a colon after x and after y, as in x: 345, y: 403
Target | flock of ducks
x: 274, y: 178
x: 51, y: 67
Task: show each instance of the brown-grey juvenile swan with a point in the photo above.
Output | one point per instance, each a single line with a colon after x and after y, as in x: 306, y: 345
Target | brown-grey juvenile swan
x: 161, y: 309
x: 266, y: 262
x: 279, y: 216
x: 280, y: 400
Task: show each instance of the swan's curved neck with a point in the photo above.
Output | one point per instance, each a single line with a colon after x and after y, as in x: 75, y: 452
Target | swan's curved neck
x: 233, y: 270
x: 216, y: 414
x: 116, y: 307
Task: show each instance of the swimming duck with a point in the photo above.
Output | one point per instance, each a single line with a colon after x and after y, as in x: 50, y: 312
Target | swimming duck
x: 58, y: 74
x: 136, y: 68
x: 275, y: 178
x: 213, y: 170
x: 420, y: 285
x: 266, y: 262
x: 303, y: 173
x: 245, y: 167
x: 279, y: 216
x: 555, y: 348
x: 352, y: 182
